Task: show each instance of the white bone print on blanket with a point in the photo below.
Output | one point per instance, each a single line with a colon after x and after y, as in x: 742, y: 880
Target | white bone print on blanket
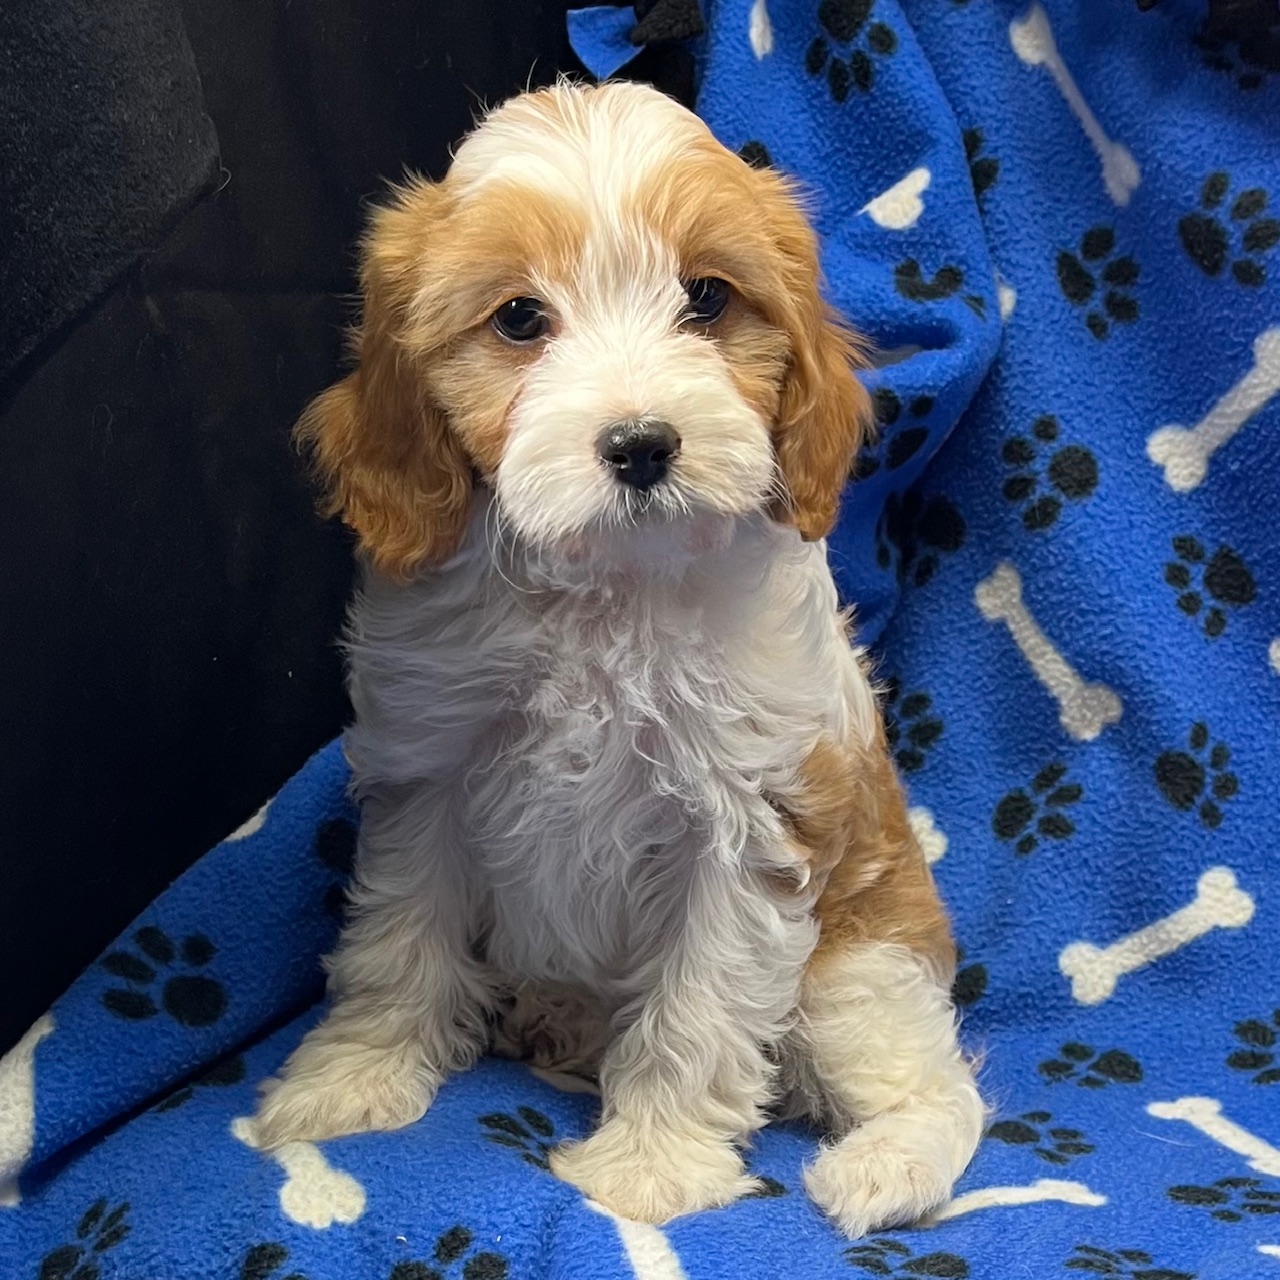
x: 250, y: 826
x: 1206, y: 1115
x: 1219, y: 904
x: 899, y: 208
x: 1184, y: 452
x: 1006, y: 296
x: 1033, y: 42
x: 1084, y: 710
x: 648, y: 1251
x: 1059, y: 1189
x: 932, y: 840
x: 18, y: 1108
x: 760, y: 30
x: 313, y: 1193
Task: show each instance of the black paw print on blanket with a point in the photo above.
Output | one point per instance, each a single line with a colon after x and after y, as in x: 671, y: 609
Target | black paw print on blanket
x: 529, y: 1132
x: 263, y: 1261
x: 1130, y: 1264
x: 1071, y: 473
x: 1223, y: 577
x: 769, y: 1189
x: 970, y: 983
x: 189, y: 997
x: 910, y: 727
x: 905, y: 436
x: 452, y: 1248
x: 1242, y: 40
x: 220, y: 1076
x: 1090, y: 1069
x: 1238, y: 233
x: 1097, y: 270
x: 915, y: 532
x: 848, y: 46
x: 1230, y: 1199
x: 98, y: 1232
x: 1054, y: 1145
x: 885, y: 1257
x: 1198, y: 779
x: 666, y: 20
x: 1259, y: 1055
x: 1024, y: 817
x: 983, y: 169
x: 911, y: 281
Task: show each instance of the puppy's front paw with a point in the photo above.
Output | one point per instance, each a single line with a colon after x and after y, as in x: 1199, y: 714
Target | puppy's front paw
x: 654, y: 1175
x: 333, y: 1087
x: 888, y: 1173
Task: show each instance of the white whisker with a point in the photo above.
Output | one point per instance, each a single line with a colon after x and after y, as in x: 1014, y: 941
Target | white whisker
x: 495, y: 530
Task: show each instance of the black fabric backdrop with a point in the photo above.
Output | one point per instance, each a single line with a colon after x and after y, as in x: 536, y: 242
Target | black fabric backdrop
x: 181, y: 186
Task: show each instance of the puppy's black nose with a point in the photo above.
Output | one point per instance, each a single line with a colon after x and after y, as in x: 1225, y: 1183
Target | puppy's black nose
x: 639, y: 451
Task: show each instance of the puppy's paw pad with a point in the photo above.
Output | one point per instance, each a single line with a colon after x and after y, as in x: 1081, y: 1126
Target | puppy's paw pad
x: 653, y: 1179
x: 871, y: 1181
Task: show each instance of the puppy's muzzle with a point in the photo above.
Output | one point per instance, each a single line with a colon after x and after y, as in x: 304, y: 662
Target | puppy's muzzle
x: 638, y: 452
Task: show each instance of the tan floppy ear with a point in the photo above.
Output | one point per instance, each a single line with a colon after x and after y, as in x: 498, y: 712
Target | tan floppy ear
x: 390, y: 465
x: 825, y: 413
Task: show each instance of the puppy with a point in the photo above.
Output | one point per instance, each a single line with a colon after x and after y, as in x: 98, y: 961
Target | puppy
x: 621, y: 771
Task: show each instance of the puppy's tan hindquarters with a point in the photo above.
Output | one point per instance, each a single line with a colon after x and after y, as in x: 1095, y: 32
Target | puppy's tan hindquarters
x: 879, y: 1064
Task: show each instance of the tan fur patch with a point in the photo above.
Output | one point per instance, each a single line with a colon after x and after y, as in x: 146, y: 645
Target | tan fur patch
x: 850, y: 817
x: 396, y: 441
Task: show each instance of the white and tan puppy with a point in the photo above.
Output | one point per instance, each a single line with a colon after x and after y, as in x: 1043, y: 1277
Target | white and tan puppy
x: 623, y: 777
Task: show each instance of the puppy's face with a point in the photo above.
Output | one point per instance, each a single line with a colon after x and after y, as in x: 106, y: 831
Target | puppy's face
x: 603, y: 315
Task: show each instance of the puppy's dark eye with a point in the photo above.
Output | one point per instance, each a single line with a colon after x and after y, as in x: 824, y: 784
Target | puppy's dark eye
x: 708, y: 297
x: 521, y: 320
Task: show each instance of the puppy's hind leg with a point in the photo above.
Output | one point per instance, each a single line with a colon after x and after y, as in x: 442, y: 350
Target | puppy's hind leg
x: 893, y: 1084
x: 875, y: 1049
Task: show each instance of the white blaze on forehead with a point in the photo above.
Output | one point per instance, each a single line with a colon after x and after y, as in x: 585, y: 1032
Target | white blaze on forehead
x: 626, y: 288
x: 594, y: 146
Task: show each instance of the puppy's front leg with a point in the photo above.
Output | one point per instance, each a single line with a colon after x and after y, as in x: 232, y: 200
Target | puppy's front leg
x: 408, y: 998
x: 689, y: 1078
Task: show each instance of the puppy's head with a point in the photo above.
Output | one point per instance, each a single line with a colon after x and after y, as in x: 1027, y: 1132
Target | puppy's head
x: 605, y: 316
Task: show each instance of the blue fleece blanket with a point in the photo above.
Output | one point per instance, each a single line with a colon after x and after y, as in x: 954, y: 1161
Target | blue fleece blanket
x: 1058, y: 224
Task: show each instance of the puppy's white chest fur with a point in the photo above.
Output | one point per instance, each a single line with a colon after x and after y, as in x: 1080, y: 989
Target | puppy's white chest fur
x: 599, y: 735
x: 584, y: 816
x: 636, y: 746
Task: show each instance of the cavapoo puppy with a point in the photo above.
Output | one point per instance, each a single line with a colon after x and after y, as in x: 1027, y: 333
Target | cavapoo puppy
x: 623, y: 778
